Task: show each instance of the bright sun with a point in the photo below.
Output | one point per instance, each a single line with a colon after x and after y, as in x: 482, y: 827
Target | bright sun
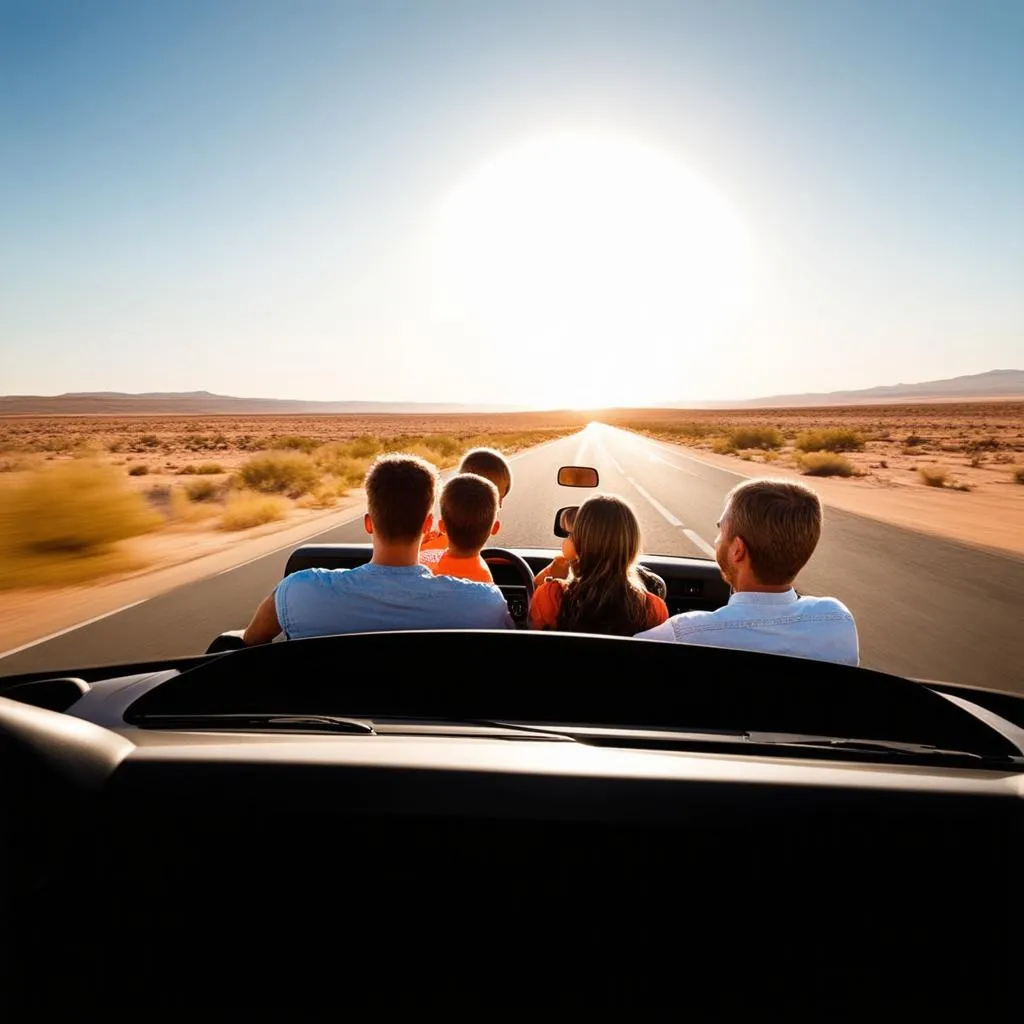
x: 598, y: 264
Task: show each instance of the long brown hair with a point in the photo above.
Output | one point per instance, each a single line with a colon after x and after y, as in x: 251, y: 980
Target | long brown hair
x: 604, y: 593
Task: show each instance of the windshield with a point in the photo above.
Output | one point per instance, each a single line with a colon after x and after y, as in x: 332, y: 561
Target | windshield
x: 248, y: 248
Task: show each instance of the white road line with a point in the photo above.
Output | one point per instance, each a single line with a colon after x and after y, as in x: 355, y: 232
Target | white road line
x: 657, y: 504
x: 71, y: 629
x: 618, y: 468
x: 700, y: 542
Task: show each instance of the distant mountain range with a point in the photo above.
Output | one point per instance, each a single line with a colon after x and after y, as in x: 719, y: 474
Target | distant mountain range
x: 979, y: 386
x: 205, y: 403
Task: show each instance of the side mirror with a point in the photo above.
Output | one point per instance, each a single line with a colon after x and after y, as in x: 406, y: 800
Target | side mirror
x: 578, y: 476
x: 564, y: 519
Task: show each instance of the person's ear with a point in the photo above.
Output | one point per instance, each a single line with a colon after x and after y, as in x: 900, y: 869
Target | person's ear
x: 367, y: 522
x: 496, y: 527
x: 429, y: 522
x: 738, y: 550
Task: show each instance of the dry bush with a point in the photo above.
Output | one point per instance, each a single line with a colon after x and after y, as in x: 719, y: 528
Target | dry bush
x: 933, y: 476
x: 754, y: 437
x: 830, y: 439
x: 290, y: 442
x: 202, y: 490
x: 1018, y: 474
x: 209, y: 468
x: 13, y: 462
x: 281, y: 472
x: 825, y: 464
x: 140, y: 470
x: 722, y: 446
x: 245, y: 509
x: 322, y: 496
x: 347, y: 461
x: 183, y: 509
x: 74, y: 512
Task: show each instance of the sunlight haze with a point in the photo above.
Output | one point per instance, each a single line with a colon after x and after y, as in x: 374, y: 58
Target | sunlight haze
x: 532, y: 204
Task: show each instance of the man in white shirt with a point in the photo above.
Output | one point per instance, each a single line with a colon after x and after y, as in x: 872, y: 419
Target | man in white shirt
x: 767, y: 532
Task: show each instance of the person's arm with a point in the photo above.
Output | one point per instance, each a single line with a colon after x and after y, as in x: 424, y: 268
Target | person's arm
x: 557, y: 569
x: 657, y: 611
x: 544, y: 606
x: 660, y: 632
x: 264, y: 625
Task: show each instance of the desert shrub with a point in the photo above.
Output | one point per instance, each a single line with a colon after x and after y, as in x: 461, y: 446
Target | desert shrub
x: 912, y: 440
x: 932, y: 476
x: 244, y: 509
x: 149, y: 441
x: 722, y: 446
x: 208, y: 468
x: 936, y: 476
x: 754, y: 437
x: 140, y: 470
x: 291, y: 442
x: 431, y: 454
x: 1018, y: 474
x: 346, y: 460
x: 201, y: 490
x: 321, y: 496
x: 280, y: 472
x: 74, y: 512
x: 13, y: 462
x: 830, y: 439
x: 184, y: 509
x: 363, y: 446
x: 825, y: 464
x: 444, y: 444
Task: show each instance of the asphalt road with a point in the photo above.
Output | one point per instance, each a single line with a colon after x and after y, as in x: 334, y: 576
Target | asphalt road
x: 925, y: 607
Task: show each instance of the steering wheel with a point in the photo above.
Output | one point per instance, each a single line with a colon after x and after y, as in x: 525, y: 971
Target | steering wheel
x: 502, y: 556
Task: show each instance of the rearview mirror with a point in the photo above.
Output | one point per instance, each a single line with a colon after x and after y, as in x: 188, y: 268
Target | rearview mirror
x: 577, y: 476
x: 564, y: 519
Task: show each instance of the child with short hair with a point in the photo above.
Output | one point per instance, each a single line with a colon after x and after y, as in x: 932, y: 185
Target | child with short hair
x: 469, y: 517
x: 491, y: 465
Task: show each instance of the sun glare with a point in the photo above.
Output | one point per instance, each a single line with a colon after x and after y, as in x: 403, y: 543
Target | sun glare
x: 601, y: 260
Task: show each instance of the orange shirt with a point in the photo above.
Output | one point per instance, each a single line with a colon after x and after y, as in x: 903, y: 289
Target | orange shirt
x: 465, y: 568
x: 547, y: 599
x: 434, y: 541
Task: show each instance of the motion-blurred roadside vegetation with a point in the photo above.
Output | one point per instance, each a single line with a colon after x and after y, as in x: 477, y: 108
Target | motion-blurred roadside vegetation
x: 63, y: 517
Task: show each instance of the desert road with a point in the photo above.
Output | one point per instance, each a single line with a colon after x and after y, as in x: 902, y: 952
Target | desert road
x: 925, y: 607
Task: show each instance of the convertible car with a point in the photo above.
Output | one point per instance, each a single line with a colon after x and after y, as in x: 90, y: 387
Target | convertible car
x: 471, y: 820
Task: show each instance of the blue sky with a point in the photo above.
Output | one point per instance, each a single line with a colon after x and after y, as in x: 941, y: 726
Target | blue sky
x: 246, y: 197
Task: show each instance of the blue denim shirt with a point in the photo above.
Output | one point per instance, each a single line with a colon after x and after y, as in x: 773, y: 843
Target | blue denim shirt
x: 323, y: 602
x: 821, y: 628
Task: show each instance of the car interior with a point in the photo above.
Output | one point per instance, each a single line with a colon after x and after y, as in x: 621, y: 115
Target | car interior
x: 422, y: 850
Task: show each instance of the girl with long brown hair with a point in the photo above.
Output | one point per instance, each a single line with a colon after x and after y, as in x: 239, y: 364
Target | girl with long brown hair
x: 604, y: 592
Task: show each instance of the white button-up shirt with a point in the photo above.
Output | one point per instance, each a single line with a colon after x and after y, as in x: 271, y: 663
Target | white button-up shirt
x: 804, y: 627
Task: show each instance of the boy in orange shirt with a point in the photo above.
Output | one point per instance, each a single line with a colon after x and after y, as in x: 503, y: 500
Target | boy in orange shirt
x: 485, y: 462
x: 469, y: 517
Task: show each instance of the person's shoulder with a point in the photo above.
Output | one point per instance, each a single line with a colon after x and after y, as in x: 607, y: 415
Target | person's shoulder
x: 311, y: 577
x: 825, y: 606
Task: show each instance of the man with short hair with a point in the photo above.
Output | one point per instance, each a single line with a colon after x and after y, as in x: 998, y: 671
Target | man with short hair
x: 768, y: 531
x: 392, y: 590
